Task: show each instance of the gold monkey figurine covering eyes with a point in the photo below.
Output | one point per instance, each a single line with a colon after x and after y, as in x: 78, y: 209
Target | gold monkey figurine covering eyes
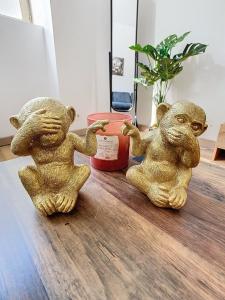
x: 54, y: 182
x: 171, y: 150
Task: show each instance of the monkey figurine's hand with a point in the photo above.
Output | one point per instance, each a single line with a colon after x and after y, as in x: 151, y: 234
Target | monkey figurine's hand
x: 181, y: 138
x: 178, y: 197
x: 130, y: 130
x: 175, y: 136
x: 39, y: 123
x: 100, y: 124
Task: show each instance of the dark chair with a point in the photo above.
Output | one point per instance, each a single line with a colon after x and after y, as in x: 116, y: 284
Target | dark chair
x: 122, y: 101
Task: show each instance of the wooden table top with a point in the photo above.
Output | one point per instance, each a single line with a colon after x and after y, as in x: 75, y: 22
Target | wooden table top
x: 115, y: 244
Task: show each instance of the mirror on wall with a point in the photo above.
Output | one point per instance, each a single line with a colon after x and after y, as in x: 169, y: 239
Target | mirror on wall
x: 123, y: 68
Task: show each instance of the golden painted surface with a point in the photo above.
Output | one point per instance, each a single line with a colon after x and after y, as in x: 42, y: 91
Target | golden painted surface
x: 170, y: 151
x: 54, y: 181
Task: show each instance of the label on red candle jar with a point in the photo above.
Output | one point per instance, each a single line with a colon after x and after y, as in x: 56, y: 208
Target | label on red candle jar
x: 108, y: 147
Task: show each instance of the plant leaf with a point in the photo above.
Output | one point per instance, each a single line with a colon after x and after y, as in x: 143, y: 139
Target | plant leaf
x: 183, y: 36
x: 168, y: 68
x: 147, y: 49
x: 148, y: 77
x: 143, y: 66
x: 151, y: 51
x: 151, y: 77
x: 141, y: 81
x: 190, y: 50
x: 165, y: 47
x: 136, y: 47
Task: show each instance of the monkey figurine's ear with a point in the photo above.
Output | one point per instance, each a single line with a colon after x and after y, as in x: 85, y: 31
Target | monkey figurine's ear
x: 14, y: 120
x: 200, y: 132
x: 71, y: 112
x: 205, y: 127
x: 161, y: 110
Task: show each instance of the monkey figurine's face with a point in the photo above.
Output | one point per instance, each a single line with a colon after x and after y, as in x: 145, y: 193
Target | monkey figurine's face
x: 181, y: 121
x: 53, y: 109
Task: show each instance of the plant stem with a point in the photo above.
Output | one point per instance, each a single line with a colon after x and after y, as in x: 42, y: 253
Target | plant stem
x: 161, y: 92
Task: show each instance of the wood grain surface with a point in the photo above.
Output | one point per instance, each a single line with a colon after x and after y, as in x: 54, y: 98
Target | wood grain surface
x: 115, y: 244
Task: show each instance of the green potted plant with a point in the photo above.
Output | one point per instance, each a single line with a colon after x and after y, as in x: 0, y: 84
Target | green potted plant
x: 163, y: 65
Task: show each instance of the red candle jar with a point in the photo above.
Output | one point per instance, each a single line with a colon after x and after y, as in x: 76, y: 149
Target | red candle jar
x: 113, y: 147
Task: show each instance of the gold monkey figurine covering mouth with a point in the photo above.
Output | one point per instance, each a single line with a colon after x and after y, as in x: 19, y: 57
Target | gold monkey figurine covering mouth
x: 54, y: 181
x: 171, y: 151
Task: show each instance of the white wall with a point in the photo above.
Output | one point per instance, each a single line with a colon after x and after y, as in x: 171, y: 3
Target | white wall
x: 24, y: 71
x: 10, y: 8
x: 81, y: 34
x: 203, y: 77
x: 146, y: 35
x: 41, y: 15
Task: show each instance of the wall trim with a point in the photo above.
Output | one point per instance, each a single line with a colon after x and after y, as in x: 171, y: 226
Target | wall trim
x: 6, y: 140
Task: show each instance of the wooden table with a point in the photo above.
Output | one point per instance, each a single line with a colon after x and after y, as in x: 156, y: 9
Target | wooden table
x: 115, y: 244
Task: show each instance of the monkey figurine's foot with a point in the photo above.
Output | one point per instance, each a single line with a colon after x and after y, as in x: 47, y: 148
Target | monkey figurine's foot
x: 178, y: 197
x: 159, y: 195
x: 66, y: 201
x: 45, y: 204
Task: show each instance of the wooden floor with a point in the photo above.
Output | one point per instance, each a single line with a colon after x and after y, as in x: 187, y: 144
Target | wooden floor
x: 115, y: 244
